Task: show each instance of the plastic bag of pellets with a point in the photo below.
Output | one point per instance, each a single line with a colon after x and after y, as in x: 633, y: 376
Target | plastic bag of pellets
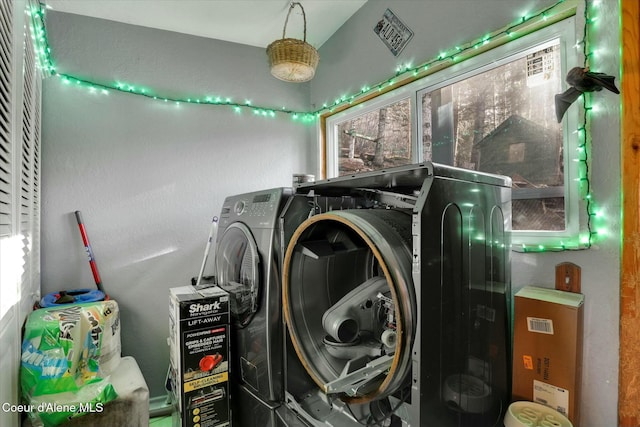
x: 68, y: 352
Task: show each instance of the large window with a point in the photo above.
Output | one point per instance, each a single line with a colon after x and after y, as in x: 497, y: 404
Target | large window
x: 493, y: 113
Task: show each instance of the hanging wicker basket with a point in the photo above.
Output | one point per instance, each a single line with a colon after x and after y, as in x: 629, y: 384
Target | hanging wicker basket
x: 293, y: 60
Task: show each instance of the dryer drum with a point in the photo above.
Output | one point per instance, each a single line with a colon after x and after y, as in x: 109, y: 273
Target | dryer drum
x: 349, y: 301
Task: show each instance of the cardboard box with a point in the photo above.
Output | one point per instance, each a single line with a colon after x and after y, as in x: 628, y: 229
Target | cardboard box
x: 547, y: 351
x: 199, y: 355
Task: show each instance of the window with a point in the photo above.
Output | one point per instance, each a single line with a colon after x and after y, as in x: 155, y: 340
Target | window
x: 378, y: 139
x: 493, y: 113
x: 502, y: 120
x: 516, y: 152
x: 376, y: 135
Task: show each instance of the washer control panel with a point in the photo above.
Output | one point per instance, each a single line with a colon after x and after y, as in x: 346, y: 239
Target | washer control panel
x: 259, y: 208
x: 262, y: 204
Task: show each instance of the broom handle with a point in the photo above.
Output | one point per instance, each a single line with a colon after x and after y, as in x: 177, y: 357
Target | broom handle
x: 87, y: 247
x: 304, y: 17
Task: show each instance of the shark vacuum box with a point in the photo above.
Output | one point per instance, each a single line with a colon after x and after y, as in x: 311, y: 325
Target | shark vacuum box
x: 199, y: 354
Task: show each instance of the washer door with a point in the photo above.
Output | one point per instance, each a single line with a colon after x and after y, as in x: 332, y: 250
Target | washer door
x: 238, y: 271
x: 349, y: 301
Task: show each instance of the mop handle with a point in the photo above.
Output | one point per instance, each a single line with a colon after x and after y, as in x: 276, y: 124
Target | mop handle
x: 87, y: 247
x: 213, y: 230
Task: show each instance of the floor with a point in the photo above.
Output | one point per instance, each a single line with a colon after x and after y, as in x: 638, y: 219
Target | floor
x: 161, y: 422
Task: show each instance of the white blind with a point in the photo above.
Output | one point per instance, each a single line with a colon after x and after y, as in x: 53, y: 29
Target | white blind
x: 20, y: 94
x: 20, y: 117
x: 6, y: 97
x: 8, y: 247
x: 27, y: 165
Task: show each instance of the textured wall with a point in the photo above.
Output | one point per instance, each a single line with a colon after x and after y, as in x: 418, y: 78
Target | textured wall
x: 355, y: 57
x: 148, y: 175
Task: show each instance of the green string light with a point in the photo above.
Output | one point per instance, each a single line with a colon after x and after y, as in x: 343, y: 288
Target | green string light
x: 44, y: 53
x: 455, y: 54
x: 585, y: 133
x: 595, y: 220
x: 451, y: 55
x: 46, y: 64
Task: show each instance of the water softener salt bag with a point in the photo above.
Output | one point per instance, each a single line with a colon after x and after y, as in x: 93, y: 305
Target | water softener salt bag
x: 63, y: 359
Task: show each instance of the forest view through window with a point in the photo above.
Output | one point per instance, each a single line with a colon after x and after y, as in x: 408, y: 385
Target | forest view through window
x: 493, y: 112
x: 500, y: 120
x: 503, y: 121
x: 375, y: 140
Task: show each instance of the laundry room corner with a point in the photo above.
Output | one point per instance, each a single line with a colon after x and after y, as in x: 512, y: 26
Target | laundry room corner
x: 164, y: 166
x: 390, y: 213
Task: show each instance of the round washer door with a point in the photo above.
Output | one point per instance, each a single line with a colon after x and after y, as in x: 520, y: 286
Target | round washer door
x: 238, y: 271
x: 349, y: 301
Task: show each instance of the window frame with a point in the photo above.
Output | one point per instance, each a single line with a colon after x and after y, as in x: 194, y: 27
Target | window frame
x: 564, y: 32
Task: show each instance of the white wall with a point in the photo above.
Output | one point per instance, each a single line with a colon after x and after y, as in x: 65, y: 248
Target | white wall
x: 355, y: 57
x: 148, y: 175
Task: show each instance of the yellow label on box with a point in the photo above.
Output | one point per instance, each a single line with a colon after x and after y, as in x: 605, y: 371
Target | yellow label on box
x: 206, y: 381
x: 528, y: 362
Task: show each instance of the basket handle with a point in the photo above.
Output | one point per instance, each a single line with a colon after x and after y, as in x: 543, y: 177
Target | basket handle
x: 304, y: 17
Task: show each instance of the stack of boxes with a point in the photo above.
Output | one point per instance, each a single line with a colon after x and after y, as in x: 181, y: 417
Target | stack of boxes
x: 199, y: 354
x: 547, y: 353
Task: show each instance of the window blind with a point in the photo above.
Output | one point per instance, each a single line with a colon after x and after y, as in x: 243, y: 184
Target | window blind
x: 20, y: 117
x: 6, y: 96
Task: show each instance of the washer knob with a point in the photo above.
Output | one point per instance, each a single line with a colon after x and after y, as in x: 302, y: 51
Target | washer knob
x: 239, y: 207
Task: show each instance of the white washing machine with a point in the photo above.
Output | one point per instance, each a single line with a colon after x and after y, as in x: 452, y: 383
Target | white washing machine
x: 396, y: 290
x: 247, y: 265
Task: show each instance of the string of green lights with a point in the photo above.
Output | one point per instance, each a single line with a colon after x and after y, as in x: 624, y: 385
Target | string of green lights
x: 584, y: 131
x: 448, y: 56
x: 451, y: 56
x: 595, y: 224
x: 444, y: 58
x: 38, y: 19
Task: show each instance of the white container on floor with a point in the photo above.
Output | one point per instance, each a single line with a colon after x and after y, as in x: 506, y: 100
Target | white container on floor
x: 531, y: 414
